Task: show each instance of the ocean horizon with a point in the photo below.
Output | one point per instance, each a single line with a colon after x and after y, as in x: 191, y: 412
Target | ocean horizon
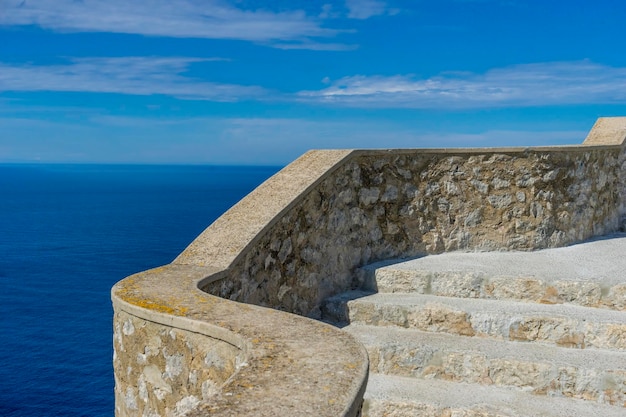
x: 68, y: 232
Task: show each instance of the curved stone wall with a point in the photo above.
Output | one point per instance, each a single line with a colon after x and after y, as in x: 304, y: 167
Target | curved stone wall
x: 297, y: 239
x: 165, y: 360
x: 182, y: 352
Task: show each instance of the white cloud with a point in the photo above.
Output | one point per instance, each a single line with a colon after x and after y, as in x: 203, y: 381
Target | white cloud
x: 127, y: 75
x: 328, y: 12
x: 544, y: 84
x: 182, y: 18
x: 364, y: 9
x: 558, y: 83
x: 315, y: 46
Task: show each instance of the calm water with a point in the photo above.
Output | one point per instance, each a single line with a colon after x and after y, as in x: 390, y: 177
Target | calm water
x: 67, y: 234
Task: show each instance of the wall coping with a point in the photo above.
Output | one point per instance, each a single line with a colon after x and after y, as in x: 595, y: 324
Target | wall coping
x: 607, y: 131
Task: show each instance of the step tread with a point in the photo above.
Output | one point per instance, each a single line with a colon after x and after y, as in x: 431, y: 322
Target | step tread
x: 600, y: 260
x: 378, y: 336
x: 481, y: 305
x: 561, y: 324
x: 402, y: 393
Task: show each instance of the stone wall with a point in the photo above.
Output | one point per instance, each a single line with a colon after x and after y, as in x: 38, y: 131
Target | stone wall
x: 165, y: 360
x: 611, y: 131
x: 298, y: 239
x: 375, y: 205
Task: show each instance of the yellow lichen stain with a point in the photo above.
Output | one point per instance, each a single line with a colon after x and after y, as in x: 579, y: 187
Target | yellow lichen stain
x: 267, y: 361
x: 350, y: 365
x: 205, y: 298
x: 551, y: 296
x: 131, y: 288
x: 155, y: 306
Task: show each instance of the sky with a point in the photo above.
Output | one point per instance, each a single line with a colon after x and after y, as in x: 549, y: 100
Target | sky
x: 260, y: 82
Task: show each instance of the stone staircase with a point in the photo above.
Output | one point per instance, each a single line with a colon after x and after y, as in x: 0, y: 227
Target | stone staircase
x: 494, y: 334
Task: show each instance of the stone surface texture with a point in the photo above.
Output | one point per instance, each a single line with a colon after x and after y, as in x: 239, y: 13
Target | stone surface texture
x: 182, y: 352
x: 205, y: 335
x: 542, y: 325
x: 375, y: 205
x: 165, y: 360
x: 394, y: 396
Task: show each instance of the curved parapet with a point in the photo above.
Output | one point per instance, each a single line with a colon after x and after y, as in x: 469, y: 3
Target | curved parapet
x: 179, y: 351
x: 229, y: 238
x: 205, y: 334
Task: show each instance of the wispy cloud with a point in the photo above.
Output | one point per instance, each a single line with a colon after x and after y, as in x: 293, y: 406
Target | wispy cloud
x: 127, y: 75
x: 543, y: 84
x: 214, y: 19
x: 558, y: 83
x: 316, y: 46
x: 364, y: 9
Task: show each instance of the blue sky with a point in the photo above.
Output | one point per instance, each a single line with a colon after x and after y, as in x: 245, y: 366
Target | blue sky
x: 260, y: 82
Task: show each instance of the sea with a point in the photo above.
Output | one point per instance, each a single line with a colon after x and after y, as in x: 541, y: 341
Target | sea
x: 67, y: 234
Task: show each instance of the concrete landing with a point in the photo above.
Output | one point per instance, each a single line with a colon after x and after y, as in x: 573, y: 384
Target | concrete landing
x: 410, y: 397
x: 598, y: 259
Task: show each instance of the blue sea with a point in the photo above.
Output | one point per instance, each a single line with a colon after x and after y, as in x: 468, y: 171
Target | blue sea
x: 67, y: 234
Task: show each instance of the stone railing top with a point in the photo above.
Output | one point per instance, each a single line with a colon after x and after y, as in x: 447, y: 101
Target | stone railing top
x: 225, y: 240
x: 607, y: 131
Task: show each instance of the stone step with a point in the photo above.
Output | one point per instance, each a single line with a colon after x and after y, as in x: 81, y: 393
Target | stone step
x: 589, y: 274
x: 399, y: 397
x: 561, y: 324
x: 478, y: 284
x: 589, y: 374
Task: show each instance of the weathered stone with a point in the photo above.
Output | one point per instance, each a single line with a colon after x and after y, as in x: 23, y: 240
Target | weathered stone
x: 480, y: 186
x: 474, y: 218
x: 582, y: 293
x: 616, y: 297
x: 162, y: 373
x: 457, y: 284
x: 515, y: 288
x: 390, y: 194
x: 547, y: 328
x: 500, y: 201
x: 400, y: 281
x: 499, y: 183
x: 368, y: 196
x: 441, y: 319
